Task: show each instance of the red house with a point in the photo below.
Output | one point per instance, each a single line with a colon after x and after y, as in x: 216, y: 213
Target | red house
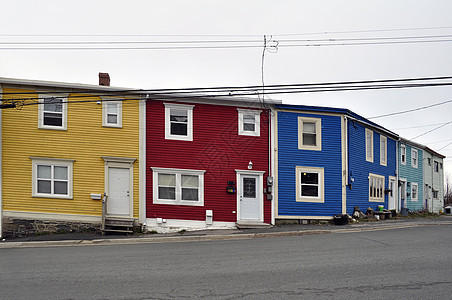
x: 207, y: 163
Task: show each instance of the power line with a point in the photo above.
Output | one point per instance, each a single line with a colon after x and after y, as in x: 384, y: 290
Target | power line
x: 411, y: 110
x: 422, y: 126
x: 445, y: 146
x: 432, y: 130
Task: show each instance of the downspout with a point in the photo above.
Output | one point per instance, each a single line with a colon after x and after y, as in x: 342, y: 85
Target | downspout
x: 271, y: 162
x: 346, y: 162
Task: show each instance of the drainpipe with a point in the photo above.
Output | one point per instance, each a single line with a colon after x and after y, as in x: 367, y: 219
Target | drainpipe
x: 271, y: 115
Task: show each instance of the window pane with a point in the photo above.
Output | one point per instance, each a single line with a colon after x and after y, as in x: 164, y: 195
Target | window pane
x: 179, y: 128
x: 60, y: 172
x: 189, y: 181
x: 249, y: 187
x: 112, y: 108
x: 309, y: 178
x: 53, y: 119
x: 167, y: 179
x: 179, y: 115
x: 167, y: 193
x: 309, y: 139
x: 44, y: 172
x: 54, y: 105
x: 309, y: 190
x: 309, y: 127
x: 44, y: 186
x: 189, y: 194
x: 112, y: 119
x: 60, y: 187
x: 249, y: 127
x: 249, y: 123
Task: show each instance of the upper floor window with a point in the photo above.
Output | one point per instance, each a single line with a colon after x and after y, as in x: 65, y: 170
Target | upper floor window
x: 112, y: 113
x: 414, y: 158
x: 435, y: 194
x: 441, y: 166
x: 435, y: 166
x: 369, y: 145
x: 383, y: 150
x: 52, y: 112
x: 403, y: 154
x: 249, y: 122
x: 429, y: 161
x: 309, y: 186
x: 414, y: 191
x: 376, y: 188
x: 309, y: 133
x: 52, y: 178
x: 178, y: 122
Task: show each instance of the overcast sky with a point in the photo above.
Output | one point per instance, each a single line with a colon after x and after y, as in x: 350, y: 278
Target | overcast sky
x: 170, y: 21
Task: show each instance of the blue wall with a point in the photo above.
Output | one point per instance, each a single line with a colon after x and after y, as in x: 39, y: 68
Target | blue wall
x: 289, y: 156
x: 412, y: 174
x: 359, y: 168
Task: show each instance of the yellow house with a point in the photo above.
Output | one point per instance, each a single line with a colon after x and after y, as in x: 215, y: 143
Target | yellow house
x: 70, y: 156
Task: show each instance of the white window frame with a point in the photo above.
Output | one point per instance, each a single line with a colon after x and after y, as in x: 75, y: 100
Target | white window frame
x: 41, y: 111
x: 429, y: 161
x: 257, y: 122
x: 178, y: 173
x: 435, y: 193
x: 414, y: 186
x: 403, y: 154
x: 436, y: 166
x: 369, y: 147
x: 36, y: 161
x: 383, y: 150
x: 105, y: 123
x: 414, y: 158
x: 189, y: 109
x: 376, y: 195
x: 318, y: 133
x: 321, y: 187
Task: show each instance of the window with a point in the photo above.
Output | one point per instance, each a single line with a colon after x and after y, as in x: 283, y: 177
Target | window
x: 376, y: 188
x: 414, y: 191
x: 309, y: 133
x: 436, y: 164
x: 414, y: 159
x: 52, y: 178
x: 435, y: 194
x: 112, y: 113
x: 429, y: 161
x: 309, y: 184
x: 178, y: 187
x: 249, y: 122
x: 403, y: 154
x: 52, y: 112
x: 441, y: 166
x: 178, y: 122
x: 383, y: 150
x: 369, y: 145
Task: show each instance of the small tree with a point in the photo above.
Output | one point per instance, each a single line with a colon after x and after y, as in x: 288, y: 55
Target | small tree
x: 447, y: 190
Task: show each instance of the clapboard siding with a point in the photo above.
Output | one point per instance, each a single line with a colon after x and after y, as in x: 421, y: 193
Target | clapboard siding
x: 412, y: 175
x: 359, y: 169
x: 289, y: 157
x: 216, y: 148
x: 85, y: 141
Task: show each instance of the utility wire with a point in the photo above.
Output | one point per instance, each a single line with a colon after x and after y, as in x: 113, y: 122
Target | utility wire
x: 411, y: 110
x: 432, y: 130
x: 422, y: 126
x: 445, y: 146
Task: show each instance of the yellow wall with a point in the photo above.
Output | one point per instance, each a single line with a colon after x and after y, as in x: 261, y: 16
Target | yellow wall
x: 85, y: 141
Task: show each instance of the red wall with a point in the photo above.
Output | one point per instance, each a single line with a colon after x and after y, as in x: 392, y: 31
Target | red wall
x: 216, y: 148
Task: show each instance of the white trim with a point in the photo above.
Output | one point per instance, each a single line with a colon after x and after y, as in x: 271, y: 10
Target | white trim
x: 142, y: 161
x: 371, y: 146
x: 189, y: 109
x: 274, y: 152
x: 344, y: 163
x: 178, y: 193
x: 417, y: 191
x: 272, y: 162
x: 394, y: 192
x: 376, y: 199
x: 384, y: 159
x: 259, y: 187
x: 65, y: 99
x: 35, y: 161
x: 318, y: 133
x: 403, y: 193
x: 51, y: 216
x: 321, y: 187
x: 257, y: 122
x: 105, y: 102
x: 414, y: 165
x: 403, y: 154
x: 123, y: 163
x: 175, y: 225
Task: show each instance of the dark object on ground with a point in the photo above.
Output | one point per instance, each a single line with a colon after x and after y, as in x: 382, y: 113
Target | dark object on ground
x: 404, y: 211
x: 340, y: 219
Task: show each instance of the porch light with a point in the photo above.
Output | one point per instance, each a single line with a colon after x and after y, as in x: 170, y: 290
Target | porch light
x: 250, y: 165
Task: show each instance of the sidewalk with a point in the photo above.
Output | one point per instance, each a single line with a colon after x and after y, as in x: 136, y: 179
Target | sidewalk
x: 83, y: 239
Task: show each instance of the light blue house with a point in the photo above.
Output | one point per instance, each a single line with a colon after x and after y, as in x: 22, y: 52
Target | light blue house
x: 329, y: 160
x: 411, y: 175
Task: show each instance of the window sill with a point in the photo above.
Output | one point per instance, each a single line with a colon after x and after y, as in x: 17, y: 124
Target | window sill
x: 181, y: 203
x: 52, y: 128
x: 52, y: 196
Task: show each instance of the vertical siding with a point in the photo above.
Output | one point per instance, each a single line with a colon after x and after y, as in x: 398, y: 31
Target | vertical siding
x: 412, y: 175
x: 359, y: 168
x: 329, y: 158
x: 216, y: 148
x: 85, y: 141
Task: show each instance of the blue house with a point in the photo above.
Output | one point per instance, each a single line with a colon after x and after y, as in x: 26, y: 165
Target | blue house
x: 411, y: 175
x: 321, y: 166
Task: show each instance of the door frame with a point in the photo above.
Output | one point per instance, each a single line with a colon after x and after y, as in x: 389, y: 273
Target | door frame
x: 403, y: 193
x: 395, y: 195
x: 122, y: 163
x: 259, y: 187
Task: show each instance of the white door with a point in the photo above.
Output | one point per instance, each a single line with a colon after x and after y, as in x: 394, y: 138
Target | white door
x: 118, y: 201
x: 249, y: 197
x: 403, y: 193
x: 392, y: 196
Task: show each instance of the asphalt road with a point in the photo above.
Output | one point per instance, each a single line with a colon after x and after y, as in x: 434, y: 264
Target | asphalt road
x: 413, y: 263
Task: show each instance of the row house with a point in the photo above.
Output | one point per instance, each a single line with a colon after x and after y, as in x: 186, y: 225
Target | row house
x: 433, y: 180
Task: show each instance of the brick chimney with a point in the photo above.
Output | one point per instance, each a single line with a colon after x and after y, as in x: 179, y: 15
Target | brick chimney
x: 104, y: 79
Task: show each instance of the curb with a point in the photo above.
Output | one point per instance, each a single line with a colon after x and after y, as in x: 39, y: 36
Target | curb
x: 217, y: 237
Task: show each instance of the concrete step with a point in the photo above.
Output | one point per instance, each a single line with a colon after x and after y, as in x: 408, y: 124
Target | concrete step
x: 251, y: 225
